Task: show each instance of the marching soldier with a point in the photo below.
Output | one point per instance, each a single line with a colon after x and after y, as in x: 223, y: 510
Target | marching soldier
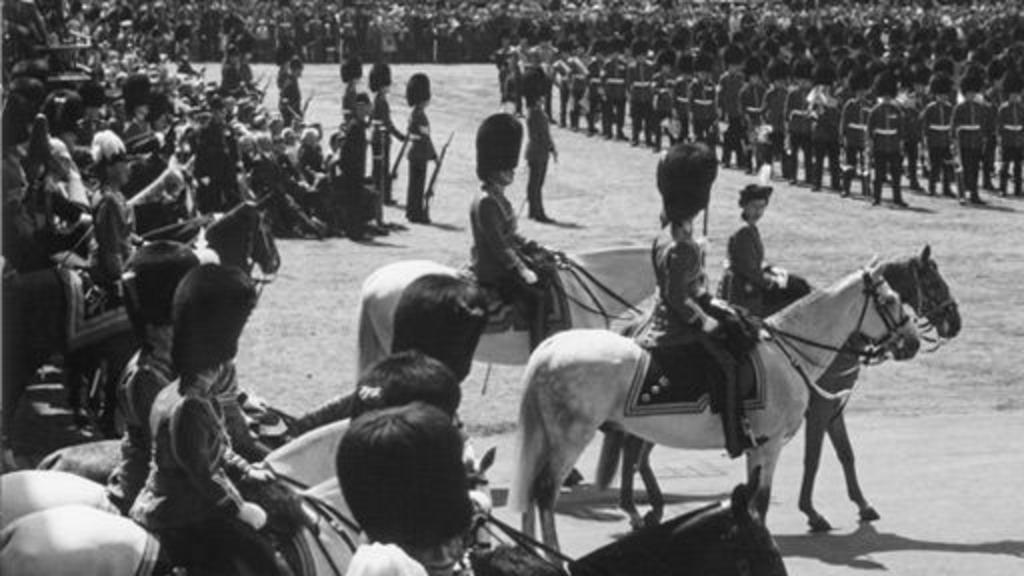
x: 729, y: 87
x: 798, y: 122
x: 614, y: 82
x: 824, y: 110
x: 1011, y: 131
x: 854, y: 126
x: 641, y: 95
x: 774, y: 109
x: 936, y: 130
x: 703, y: 111
x: 383, y: 129
x: 752, y: 104
x: 969, y: 124
x: 885, y: 136
x: 421, y: 148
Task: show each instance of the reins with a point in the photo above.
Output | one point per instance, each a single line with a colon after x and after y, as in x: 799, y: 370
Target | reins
x: 587, y: 281
x: 521, y: 539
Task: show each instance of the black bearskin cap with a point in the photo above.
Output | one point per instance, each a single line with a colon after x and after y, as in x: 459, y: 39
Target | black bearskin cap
x: 824, y: 74
x: 778, y: 70
x: 753, y: 66
x: 685, y: 175
x: 733, y: 54
x: 417, y: 91
x: 941, y: 84
x: 704, y: 62
x: 885, y: 84
x: 136, y: 92
x: 973, y: 80
x: 498, y: 144
x: 1012, y: 82
x: 401, y: 472
x: 351, y: 69
x: 803, y: 69
x: 534, y: 85
x: 859, y: 79
x: 380, y: 76
x: 639, y: 47
x: 685, y: 63
x: 211, y: 306
x: 666, y: 58
x: 93, y: 94
x: 154, y: 272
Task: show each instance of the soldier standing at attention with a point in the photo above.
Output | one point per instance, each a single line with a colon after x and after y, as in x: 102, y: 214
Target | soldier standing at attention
x: 664, y: 79
x: 825, y: 132
x: 969, y: 119
x: 798, y: 122
x: 752, y: 104
x: 638, y: 81
x: 703, y: 111
x: 853, y: 125
x: 774, y: 109
x: 936, y: 131
x: 351, y: 73
x: 540, y: 145
x: 885, y: 135
x: 1011, y: 131
x: 595, y: 90
x: 729, y: 87
x: 421, y: 148
x: 911, y: 100
x: 614, y: 92
x: 383, y: 129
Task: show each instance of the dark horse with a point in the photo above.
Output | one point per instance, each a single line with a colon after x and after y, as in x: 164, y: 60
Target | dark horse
x: 35, y: 312
x: 724, y: 538
x: 919, y: 284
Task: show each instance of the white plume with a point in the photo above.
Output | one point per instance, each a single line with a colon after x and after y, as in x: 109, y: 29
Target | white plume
x: 106, y: 144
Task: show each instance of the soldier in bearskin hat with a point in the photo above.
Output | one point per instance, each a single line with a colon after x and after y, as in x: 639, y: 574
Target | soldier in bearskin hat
x: 752, y: 104
x: 824, y: 108
x: 595, y: 89
x: 501, y: 258
x: 383, y: 129
x: 153, y: 275
x: 683, y: 313
x: 614, y: 84
x: 969, y: 124
x: 663, y: 81
x: 936, y: 128
x: 188, y: 500
x: 290, y: 99
x: 411, y: 525
x: 774, y: 110
x: 853, y: 127
x: 729, y: 87
x: 540, y: 145
x: 798, y: 122
x: 639, y: 75
x: 702, y: 101
x: 421, y: 147
x: 1011, y: 133
x: 885, y: 138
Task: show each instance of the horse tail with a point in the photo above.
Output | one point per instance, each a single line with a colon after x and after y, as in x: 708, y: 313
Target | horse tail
x: 608, y: 462
x: 532, y: 478
x: 370, y: 347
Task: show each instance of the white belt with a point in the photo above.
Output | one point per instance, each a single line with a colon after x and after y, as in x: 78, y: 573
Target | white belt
x: 886, y: 132
x: 970, y: 128
x: 858, y: 126
x: 752, y: 110
x: 615, y: 81
x: 1013, y: 128
x: 641, y: 84
x: 940, y: 127
x: 703, y: 102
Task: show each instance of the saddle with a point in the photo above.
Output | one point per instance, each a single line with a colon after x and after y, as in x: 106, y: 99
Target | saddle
x: 94, y: 313
x: 507, y: 308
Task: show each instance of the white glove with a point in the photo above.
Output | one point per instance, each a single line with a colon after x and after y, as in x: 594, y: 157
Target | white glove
x: 253, y: 515
x: 710, y: 325
x: 528, y: 276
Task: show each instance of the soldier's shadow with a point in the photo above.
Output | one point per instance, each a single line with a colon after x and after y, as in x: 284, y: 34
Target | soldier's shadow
x: 854, y: 549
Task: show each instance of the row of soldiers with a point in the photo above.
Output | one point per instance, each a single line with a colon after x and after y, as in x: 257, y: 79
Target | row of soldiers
x: 885, y: 118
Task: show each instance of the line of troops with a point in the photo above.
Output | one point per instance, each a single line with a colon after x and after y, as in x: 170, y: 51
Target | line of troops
x: 885, y: 118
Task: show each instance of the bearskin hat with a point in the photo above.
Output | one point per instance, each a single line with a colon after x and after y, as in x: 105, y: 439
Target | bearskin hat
x: 380, y: 76
x: 778, y: 70
x: 973, y: 80
x: 944, y: 65
x: 685, y: 63
x: 17, y: 118
x: 753, y: 66
x: 154, y: 272
x: 704, y: 62
x: 639, y: 47
x: 803, y: 69
x: 666, y: 58
x: 210, y: 308
x: 351, y: 69
x: 534, y: 85
x: 136, y: 92
x: 498, y: 144
x: 597, y: 47
x: 406, y: 377
x: 64, y: 109
x: 753, y: 192
x: 824, y: 74
x: 940, y: 84
x: 885, y: 85
x: 417, y: 91
x: 859, y: 79
x: 685, y: 175
x: 401, y: 472
x: 733, y: 55
x: 93, y: 95
x: 1012, y: 82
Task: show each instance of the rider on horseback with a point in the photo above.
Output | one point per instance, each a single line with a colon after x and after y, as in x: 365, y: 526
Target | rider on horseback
x: 189, y: 500
x: 502, y: 259
x: 684, y: 312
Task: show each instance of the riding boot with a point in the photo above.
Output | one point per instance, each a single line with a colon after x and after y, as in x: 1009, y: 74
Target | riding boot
x: 538, y: 327
x: 737, y: 439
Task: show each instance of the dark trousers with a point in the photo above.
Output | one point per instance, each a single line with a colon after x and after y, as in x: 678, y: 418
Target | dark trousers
x: 211, y: 546
x: 989, y: 162
x: 887, y: 164
x: 415, y: 208
x: 911, y: 149
x: 576, y: 110
x: 1012, y: 156
x: 970, y: 162
x: 640, y: 117
x: 940, y: 168
x: 613, y: 114
x: 382, y: 167
x: 683, y: 115
x: 658, y: 130
x: 548, y: 98
x: 734, y: 142
x: 800, y: 145
x: 855, y: 169
x: 775, y: 149
x: 596, y: 106
x: 535, y: 187
x: 563, y: 100
x: 823, y: 150
x: 704, y: 132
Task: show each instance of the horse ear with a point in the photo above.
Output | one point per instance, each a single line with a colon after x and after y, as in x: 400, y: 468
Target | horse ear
x: 488, y: 460
x: 874, y: 263
x: 926, y: 253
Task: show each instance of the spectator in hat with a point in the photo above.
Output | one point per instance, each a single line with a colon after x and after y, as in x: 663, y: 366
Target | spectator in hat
x: 747, y: 278
x: 401, y: 471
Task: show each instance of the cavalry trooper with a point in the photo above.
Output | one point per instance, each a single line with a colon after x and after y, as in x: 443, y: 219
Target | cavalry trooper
x: 383, y: 129
x: 683, y: 313
x: 752, y: 104
x: 638, y: 82
x: 936, y: 131
x: 885, y: 138
x: 154, y: 273
x: 970, y: 119
x: 1011, y: 133
x: 614, y: 82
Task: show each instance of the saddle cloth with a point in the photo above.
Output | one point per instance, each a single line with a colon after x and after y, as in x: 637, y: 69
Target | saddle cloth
x: 504, y: 314
x: 87, y: 322
x: 694, y: 377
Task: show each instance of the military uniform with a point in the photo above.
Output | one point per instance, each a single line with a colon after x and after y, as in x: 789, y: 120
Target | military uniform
x: 825, y: 141
x: 752, y: 104
x: 799, y: 128
x: 614, y: 105
x: 641, y: 98
x: 734, y: 142
x: 936, y: 128
x: 679, y: 271
x: 383, y: 129
x: 970, y: 122
x: 774, y: 110
x: 744, y: 282
x: 290, y: 99
x: 885, y: 131
x: 114, y: 228
x: 421, y: 151
x: 854, y: 127
x: 1010, y: 123
x: 703, y: 112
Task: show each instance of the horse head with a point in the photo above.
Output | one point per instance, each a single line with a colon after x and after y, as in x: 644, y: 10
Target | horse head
x: 242, y: 238
x: 883, y: 321
x: 921, y: 285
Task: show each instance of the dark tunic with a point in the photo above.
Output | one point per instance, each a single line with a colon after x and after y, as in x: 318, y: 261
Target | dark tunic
x: 679, y: 270
x: 744, y: 282
x: 115, y: 224
x: 496, y: 243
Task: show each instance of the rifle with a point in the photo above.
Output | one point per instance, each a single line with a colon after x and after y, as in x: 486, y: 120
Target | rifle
x: 305, y: 107
x: 398, y: 159
x: 437, y: 168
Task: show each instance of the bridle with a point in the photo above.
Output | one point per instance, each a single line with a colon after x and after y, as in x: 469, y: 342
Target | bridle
x: 929, y: 309
x: 875, y: 352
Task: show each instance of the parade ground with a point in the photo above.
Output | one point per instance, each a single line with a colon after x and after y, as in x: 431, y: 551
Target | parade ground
x: 939, y: 440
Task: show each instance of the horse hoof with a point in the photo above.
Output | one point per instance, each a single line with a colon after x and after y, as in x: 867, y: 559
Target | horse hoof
x: 573, y: 479
x: 819, y: 524
x: 869, y: 514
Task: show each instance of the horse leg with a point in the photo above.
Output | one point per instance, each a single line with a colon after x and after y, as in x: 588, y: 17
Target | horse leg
x: 763, y: 461
x: 631, y: 448
x: 654, y: 496
x: 814, y: 434
x: 530, y: 521
x: 844, y: 450
x: 547, y: 529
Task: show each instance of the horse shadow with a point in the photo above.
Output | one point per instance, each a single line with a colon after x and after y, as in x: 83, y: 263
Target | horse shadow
x: 375, y: 243
x: 854, y: 549
x: 565, y: 225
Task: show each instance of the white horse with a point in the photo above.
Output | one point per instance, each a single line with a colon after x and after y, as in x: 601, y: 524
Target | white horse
x: 601, y: 286
x: 579, y: 380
